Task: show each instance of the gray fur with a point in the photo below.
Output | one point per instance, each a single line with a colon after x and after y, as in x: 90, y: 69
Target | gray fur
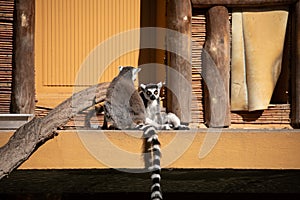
x: 123, y: 106
x: 125, y: 109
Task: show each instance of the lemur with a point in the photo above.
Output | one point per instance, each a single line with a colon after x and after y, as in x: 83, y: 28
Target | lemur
x: 123, y: 106
x: 124, y: 109
x: 150, y: 94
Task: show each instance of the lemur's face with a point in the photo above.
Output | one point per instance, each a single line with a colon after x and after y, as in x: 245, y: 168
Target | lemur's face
x: 151, y: 91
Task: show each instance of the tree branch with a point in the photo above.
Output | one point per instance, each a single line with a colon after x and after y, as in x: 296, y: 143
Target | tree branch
x: 33, y: 134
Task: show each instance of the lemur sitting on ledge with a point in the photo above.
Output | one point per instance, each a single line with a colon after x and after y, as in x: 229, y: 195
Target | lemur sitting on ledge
x: 150, y: 94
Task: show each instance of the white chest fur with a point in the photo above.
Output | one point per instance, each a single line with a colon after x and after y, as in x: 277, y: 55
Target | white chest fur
x: 153, y: 109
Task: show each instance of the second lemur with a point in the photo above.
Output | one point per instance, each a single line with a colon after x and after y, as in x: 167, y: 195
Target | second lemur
x: 150, y: 94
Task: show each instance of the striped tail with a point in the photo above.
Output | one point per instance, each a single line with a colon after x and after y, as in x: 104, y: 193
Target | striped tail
x: 152, y: 155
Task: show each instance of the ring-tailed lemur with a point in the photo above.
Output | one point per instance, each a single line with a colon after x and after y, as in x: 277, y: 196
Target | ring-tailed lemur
x: 150, y: 94
x: 124, y: 108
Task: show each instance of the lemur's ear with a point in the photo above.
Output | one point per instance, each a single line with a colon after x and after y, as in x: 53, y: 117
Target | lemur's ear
x: 120, y: 68
x: 159, y: 85
x: 143, y: 87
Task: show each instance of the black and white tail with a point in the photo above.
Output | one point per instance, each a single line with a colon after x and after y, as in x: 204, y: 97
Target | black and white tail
x: 152, y: 155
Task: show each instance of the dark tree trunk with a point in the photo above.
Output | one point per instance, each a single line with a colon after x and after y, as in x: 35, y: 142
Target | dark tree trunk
x: 295, y: 115
x: 179, y: 45
x: 216, y: 68
x: 23, y: 86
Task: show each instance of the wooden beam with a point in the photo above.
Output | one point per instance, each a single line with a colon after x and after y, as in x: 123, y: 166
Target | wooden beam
x: 216, y: 68
x: 179, y: 75
x: 295, y: 109
x: 23, y: 86
x: 239, y: 3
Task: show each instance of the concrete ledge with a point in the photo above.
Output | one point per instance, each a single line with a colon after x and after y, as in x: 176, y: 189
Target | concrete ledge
x: 204, y: 148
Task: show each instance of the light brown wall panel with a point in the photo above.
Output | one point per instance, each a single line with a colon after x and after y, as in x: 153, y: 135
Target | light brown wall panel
x: 68, y: 31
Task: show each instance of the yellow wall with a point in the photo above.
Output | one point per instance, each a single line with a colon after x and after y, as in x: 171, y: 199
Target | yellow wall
x: 68, y: 31
x: 238, y: 149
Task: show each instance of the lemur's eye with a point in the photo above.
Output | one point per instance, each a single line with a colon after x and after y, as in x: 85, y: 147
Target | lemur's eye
x: 148, y: 93
x: 155, y: 92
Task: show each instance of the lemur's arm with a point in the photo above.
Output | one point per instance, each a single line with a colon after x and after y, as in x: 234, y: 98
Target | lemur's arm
x: 159, y: 118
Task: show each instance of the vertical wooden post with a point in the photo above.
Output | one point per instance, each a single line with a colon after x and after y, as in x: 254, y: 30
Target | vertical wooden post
x: 147, y: 57
x: 295, y: 107
x: 216, y: 68
x: 23, y: 87
x: 179, y: 74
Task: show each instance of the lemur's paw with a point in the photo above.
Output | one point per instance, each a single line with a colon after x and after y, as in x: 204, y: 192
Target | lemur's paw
x: 166, y: 127
x: 95, y: 126
x: 139, y: 126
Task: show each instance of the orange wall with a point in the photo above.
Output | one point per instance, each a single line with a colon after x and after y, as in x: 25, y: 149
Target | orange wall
x: 66, y: 34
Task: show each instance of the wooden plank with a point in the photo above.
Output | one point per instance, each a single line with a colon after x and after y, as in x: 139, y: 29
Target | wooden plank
x: 13, y: 121
x: 216, y: 68
x: 239, y: 3
x: 23, y: 86
x: 295, y: 116
x: 179, y: 75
